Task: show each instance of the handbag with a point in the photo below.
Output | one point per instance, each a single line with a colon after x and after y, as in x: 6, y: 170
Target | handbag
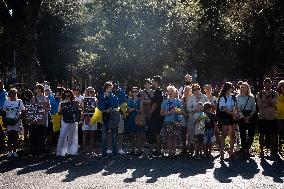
x: 140, y: 120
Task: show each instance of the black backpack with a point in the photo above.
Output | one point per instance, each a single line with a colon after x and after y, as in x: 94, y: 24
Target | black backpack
x: 70, y: 112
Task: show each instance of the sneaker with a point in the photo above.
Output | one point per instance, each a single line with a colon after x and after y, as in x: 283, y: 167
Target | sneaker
x: 109, y: 151
x: 15, y: 154
x: 10, y: 154
x: 121, y: 152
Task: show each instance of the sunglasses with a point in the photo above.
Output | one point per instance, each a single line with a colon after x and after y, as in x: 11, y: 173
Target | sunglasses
x: 197, y: 89
x: 91, y: 91
x: 134, y: 91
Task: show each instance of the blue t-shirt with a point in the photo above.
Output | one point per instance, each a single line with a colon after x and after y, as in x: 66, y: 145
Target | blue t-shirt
x: 229, y: 103
x: 169, y: 105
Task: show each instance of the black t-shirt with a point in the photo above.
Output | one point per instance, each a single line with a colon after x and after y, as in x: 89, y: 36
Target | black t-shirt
x: 157, y: 98
x: 211, y: 123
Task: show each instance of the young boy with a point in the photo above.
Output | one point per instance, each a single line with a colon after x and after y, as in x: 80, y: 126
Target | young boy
x: 210, y: 126
x: 199, y: 128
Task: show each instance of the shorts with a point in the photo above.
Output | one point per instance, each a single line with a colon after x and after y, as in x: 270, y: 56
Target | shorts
x: 226, y: 119
x: 198, y: 139
x: 209, y: 136
x: 169, y: 128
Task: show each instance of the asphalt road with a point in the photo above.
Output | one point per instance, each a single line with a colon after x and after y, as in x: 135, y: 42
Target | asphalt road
x: 130, y: 172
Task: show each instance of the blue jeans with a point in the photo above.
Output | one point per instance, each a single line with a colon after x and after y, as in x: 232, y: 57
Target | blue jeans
x: 105, y: 133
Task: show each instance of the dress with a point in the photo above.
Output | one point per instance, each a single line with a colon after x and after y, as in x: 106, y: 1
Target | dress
x: 132, y: 127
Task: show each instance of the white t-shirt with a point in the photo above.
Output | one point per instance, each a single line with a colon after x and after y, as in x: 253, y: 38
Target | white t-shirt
x: 13, y: 110
x: 79, y: 99
x: 192, y: 102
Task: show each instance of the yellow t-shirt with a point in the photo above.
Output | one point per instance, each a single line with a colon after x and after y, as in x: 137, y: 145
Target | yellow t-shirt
x: 280, y: 107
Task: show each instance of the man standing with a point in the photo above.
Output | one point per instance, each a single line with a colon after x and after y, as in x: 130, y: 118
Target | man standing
x: 156, y: 120
x: 187, y: 82
x: 266, y: 101
x: 79, y: 98
x: 3, y: 97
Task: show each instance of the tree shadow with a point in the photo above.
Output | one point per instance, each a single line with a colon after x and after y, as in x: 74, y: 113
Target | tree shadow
x: 274, y: 170
x: 246, y: 168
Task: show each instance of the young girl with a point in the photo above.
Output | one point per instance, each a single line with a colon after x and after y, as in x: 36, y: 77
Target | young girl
x: 89, y: 131
x: 136, y: 132
x: 227, y: 104
x: 199, y: 128
x: 13, y: 109
x: 68, y: 139
x: 171, y: 109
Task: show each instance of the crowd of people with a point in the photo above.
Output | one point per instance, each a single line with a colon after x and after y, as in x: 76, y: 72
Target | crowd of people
x: 189, y: 120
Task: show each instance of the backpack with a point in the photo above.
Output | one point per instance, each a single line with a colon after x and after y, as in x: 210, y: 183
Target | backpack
x: 70, y: 112
x: 273, y: 94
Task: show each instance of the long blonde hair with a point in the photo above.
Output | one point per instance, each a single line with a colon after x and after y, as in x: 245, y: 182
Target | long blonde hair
x: 249, y: 89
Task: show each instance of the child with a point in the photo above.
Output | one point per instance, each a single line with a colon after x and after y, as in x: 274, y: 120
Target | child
x: 171, y: 109
x: 89, y: 104
x: 13, y: 111
x: 199, y: 127
x: 210, y: 126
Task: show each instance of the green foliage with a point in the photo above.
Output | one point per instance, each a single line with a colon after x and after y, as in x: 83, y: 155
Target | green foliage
x: 132, y: 40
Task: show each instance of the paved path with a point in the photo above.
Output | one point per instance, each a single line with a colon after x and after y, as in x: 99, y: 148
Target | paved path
x: 127, y: 172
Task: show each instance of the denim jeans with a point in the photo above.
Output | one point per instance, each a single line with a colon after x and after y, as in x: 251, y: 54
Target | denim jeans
x: 105, y: 133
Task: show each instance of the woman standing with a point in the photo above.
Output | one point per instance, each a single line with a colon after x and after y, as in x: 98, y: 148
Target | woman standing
x: 68, y: 139
x: 38, y: 132
x: 13, y: 111
x: 136, y: 132
x: 227, y: 105
x: 280, y: 112
x: 186, y: 94
x: 192, y: 103
x: 247, y: 106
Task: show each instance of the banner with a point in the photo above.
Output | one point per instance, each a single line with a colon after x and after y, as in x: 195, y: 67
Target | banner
x: 89, y: 105
x: 36, y: 113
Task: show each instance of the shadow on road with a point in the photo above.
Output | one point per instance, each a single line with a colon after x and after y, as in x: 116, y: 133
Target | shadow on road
x: 274, y: 170
x: 246, y: 168
x: 151, y: 169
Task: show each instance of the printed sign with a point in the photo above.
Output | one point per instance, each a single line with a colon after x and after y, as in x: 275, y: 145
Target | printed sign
x: 36, y: 113
x: 89, y: 105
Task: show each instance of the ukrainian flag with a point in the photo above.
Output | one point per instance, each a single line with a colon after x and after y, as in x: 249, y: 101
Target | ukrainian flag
x: 97, y: 117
